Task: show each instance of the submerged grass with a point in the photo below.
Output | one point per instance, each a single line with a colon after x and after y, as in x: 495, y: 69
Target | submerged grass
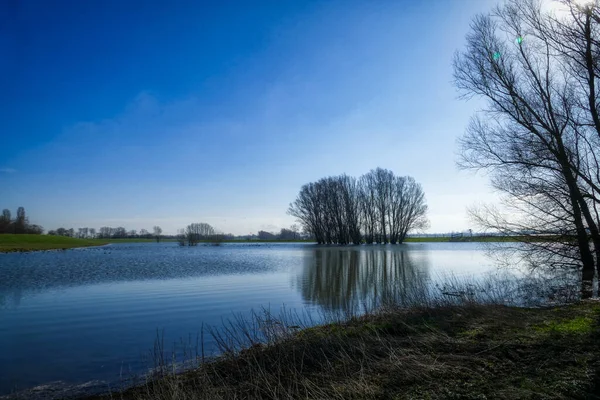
x: 457, y: 343
x: 26, y: 242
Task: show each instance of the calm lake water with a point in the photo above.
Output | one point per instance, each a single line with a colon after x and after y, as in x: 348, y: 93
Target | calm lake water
x: 90, y: 316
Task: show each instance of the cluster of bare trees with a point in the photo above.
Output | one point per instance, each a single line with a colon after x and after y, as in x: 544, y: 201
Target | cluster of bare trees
x: 284, y: 234
x: 107, y: 232
x: 64, y: 232
x: 85, y: 233
x: 20, y: 224
x: 198, y: 232
x: 539, y: 136
x: 379, y: 207
x: 292, y: 233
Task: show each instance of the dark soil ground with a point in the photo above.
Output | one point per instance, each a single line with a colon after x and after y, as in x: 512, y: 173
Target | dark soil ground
x: 467, y: 352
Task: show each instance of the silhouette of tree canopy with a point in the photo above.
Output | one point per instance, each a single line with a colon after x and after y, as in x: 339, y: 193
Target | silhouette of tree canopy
x: 198, y: 231
x: 19, y: 225
x: 378, y: 207
x: 264, y: 235
x: 157, y: 232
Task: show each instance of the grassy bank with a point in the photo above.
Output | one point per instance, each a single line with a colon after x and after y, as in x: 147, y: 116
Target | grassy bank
x: 10, y: 242
x: 466, y: 352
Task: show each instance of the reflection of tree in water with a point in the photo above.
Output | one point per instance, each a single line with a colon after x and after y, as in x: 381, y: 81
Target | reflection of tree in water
x: 348, y: 279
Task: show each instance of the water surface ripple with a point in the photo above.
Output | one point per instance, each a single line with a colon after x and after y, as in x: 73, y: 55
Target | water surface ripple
x: 86, y: 318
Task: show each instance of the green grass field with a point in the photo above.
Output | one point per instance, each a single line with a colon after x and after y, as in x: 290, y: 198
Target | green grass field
x: 10, y: 242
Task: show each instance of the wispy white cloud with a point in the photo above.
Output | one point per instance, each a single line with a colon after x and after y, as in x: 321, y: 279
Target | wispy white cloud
x: 7, y: 170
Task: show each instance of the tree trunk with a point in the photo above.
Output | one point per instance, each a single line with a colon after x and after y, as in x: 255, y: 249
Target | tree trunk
x: 587, y: 279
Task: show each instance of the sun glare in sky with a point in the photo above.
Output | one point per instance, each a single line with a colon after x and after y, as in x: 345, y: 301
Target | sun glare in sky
x: 558, y: 7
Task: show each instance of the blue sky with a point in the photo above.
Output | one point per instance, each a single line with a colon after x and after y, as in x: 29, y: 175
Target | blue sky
x: 142, y: 113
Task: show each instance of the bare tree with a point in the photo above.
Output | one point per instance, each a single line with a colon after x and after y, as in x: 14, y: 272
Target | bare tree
x: 218, y: 237
x: 368, y: 196
x: 206, y: 230
x: 295, y: 229
x: 19, y: 225
x: 181, y: 237
x: 119, y: 233
x: 350, y: 194
x: 329, y: 209
x: 199, y: 231
x: 286, y: 234
x: 35, y: 229
x: 308, y: 211
x: 384, y: 181
x: 408, y: 210
x: 264, y: 235
x: 157, y: 231
x: 21, y: 221
x: 105, y: 232
x: 539, y: 135
x: 83, y: 233
x: 5, y: 221
x: 60, y: 232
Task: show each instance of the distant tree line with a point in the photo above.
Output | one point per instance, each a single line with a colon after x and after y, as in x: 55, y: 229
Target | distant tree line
x: 107, y: 232
x: 62, y: 232
x: 284, y: 234
x: 378, y: 207
x: 264, y: 235
x: 20, y: 224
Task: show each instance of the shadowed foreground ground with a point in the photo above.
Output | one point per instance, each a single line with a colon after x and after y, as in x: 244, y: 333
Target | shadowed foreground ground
x: 467, y: 352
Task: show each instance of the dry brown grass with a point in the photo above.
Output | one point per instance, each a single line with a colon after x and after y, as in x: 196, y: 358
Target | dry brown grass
x: 459, y: 351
